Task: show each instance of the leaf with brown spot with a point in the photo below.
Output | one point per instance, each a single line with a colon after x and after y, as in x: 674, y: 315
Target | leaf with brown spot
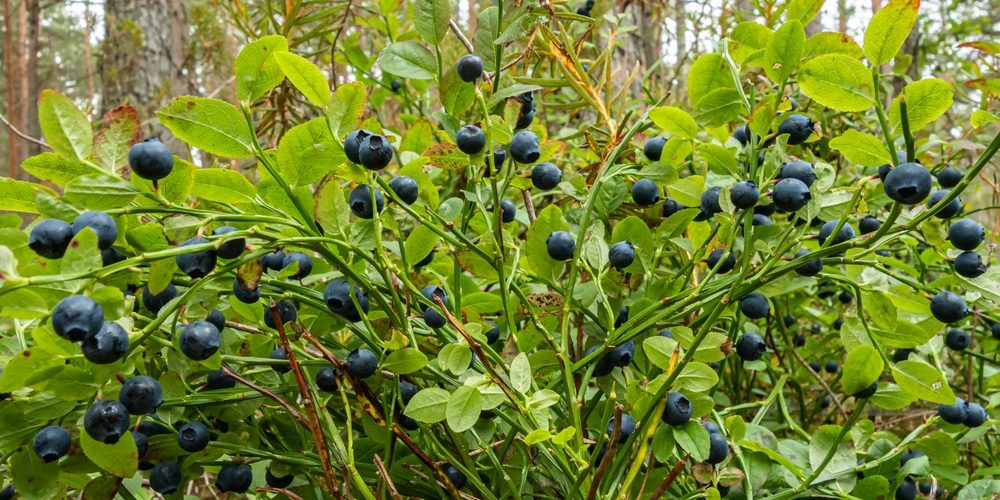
x: 121, y: 129
x: 446, y: 156
x: 248, y: 275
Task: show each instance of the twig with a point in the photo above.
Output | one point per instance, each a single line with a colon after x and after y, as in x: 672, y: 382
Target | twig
x: 662, y: 488
x: 833, y: 397
x: 616, y: 430
x: 476, y: 348
x: 277, y: 399
x: 22, y: 135
x: 385, y: 475
x: 461, y: 36
x: 244, y: 328
x: 281, y: 491
x: 529, y: 206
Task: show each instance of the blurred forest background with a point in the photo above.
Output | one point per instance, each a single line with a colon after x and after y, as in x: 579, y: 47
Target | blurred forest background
x: 144, y: 52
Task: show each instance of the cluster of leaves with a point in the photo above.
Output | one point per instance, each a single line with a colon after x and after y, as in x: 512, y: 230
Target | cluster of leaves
x: 511, y: 363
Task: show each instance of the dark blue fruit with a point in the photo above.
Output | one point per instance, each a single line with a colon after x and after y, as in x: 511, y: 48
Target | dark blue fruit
x: 165, y: 478
x: 193, y: 437
x: 995, y: 331
x: 798, y: 127
x: 405, y: 189
x: 305, y: 264
x: 360, y: 201
x: 949, y: 177
x: 407, y: 391
x: 101, y: 223
x: 744, y: 194
x: 742, y: 134
x: 755, y: 306
x: 546, y: 176
x: 838, y: 323
x: 199, y: 340
x: 670, y: 207
x: 217, y: 318
x: 957, y: 340
x: 232, y: 248
x: 907, y: 490
x: 352, y: 144
x: 801, y: 170
x: 560, y: 245
x: 245, y: 296
x: 408, y: 423
x: 524, y: 119
x: 867, y: 393
x: 811, y: 267
x: 283, y: 481
x: 156, y: 302
x: 716, y: 255
x: 524, y: 147
x: 760, y: 220
x: 869, y: 224
x: 106, y: 346
x: 790, y: 194
x: 645, y: 192
x: 395, y: 86
x: 141, y: 442
x: 621, y: 355
x: 235, y: 478
x: 718, y: 448
x: 710, y: 203
x: 456, y: 476
x: 326, y: 379
x: 499, y: 156
x: 337, y: 296
x: 621, y: 255
x: 678, y: 410
x: 956, y: 413
x: 434, y: 319
x: 470, y: 139
x: 666, y: 333
x: 622, y: 316
x: 76, y: 317
x: 948, y: 211
x: 977, y: 415
x: 150, y: 159
x: 948, y: 307
x: 711, y: 427
x: 279, y: 354
x: 197, y: 264
x: 625, y: 430
x: 909, y: 183
x: 832, y: 366
x: 469, y: 68
x: 217, y: 379
x: 493, y: 334
x: 767, y: 210
x: 966, y: 234
x: 50, y: 238
x: 106, y: 421
x: 901, y: 355
x: 750, y: 347
x: 431, y: 291
x: 846, y: 233
x: 814, y: 366
x: 375, y: 152
x: 969, y: 264
x: 141, y: 395
x: 361, y: 363
x: 51, y: 443
x: 274, y: 261
x: 509, y: 211
x: 286, y: 312
x: 825, y: 403
x: 111, y: 256
x: 654, y: 148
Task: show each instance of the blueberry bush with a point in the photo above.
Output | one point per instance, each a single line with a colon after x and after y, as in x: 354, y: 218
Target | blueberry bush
x: 526, y: 282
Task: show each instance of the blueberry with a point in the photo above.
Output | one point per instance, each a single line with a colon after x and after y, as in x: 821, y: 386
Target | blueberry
x: 838, y: 323
x: 487, y: 415
x: 760, y: 220
x: 431, y: 291
x: 361, y: 363
x: 957, y: 340
x: 524, y: 119
x: 509, y: 211
x: 995, y: 331
x: 907, y: 490
x: 815, y: 366
x: 337, y: 296
x: 654, y: 148
x: 666, y: 333
x: 326, y: 379
x: 621, y: 355
x: 51, y: 443
x: 948, y: 211
x: 845, y: 297
x: 977, y: 415
x: 622, y: 316
x: 801, y: 170
x: 600, y: 454
x: 286, y: 312
x: 234, y: 477
x: 948, y: 307
x: 193, y: 437
x: 454, y: 475
x: 800, y: 340
x: 106, y: 421
x: 274, y: 261
x: 788, y: 320
x: 832, y: 366
x: 626, y: 428
x: 153, y: 427
x: 645, y: 192
x: 846, y: 233
x: 217, y: 379
x: 710, y: 204
x: 969, y: 264
x: 790, y: 194
x: 901, y: 355
x: 524, y: 147
x: 718, y: 448
x: 470, y: 139
x: 76, y: 317
x: 141, y: 443
x: 217, y: 318
x: 469, y: 68
x: 106, y: 346
x: 141, y: 395
x: 742, y: 134
x: 750, y: 347
x: 869, y: 224
x: 560, y: 245
x: 232, y: 248
x: 111, y: 256
x: 278, y: 354
x: 150, y: 159
x: 375, y: 152
x: 199, y: 340
x: 165, y: 478
x: 434, y: 319
x: 405, y: 189
x: 755, y: 306
x: 245, y: 296
x: 909, y: 183
x: 493, y: 334
x: 198, y: 264
x: 954, y: 414
x: 716, y: 255
x: 352, y: 144
x: 825, y: 403
x: 767, y: 210
x: 499, y: 156
x: 966, y: 234
x: 305, y: 264
x: 744, y: 194
x: 798, y: 127
x: 670, y: 207
x: 101, y: 223
x: 284, y: 481
x: 408, y: 423
x: 678, y: 410
x: 156, y: 302
x: 50, y: 238
x: 361, y: 203
x: 949, y: 177
x: 395, y: 86
x: 546, y: 176
x: 867, y: 392
x: 811, y: 267
x: 426, y: 261
x: 621, y: 255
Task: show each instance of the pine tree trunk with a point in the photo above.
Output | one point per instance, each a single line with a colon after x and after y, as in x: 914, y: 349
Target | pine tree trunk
x: 34, y: 129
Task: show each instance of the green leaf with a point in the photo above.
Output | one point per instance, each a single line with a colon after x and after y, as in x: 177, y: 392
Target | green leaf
x: 119, y: 131
x: 420, y: 243
x: 548, y: 220
x: 463, y: 408
x: 635, y: 231
x: 872, y: 488
x: 923, y: 381
x: 209, y: 124
x: 482, y: 40
x: 307, y: 153
x: 257, y: 72
x: 82, y: 255
x: 19, y: 196
x: 674, y: 120
x: 25, y: 304
x: 658, y: 350
x: 980, y: 118
x: 222, y: 185
x: 305, y: 75
x: 708, y: 73
x: 522, y: 23
x: 891, y: 397
x: 979, y: 489
x: 332, y: 211
x: 688, y: 191
x: 520, y: 373
x: 837, y: 81
x: 431, y: 19
x: 446, y: 157
x: 881, y: 308
x: 161, y: 273
x: 147, y: 238
x: 510, y: 91
x: 831, y: 43
x: 784, y: 51
x: 33, y: 478
x: 344, y: 111
x: 926, y: 100
x: 718, y: 108
x: 53, y: 168
x: 720, y: 160
x: 102, y: 488
x: 888, y: 29
x: 456, y: 95
x: 428, y: 405
x: 862, y: 367
x: 538, y: 436
x: 120, y: 459
x: 844, y: 459
x: 761, y: 119
x: 65, y: 127
x: 747, y: 38
x: 26, y: 368
x: 175, y: 187
x: 408, y: 59
x: 940, y: 447
x: 693, y: 438
x: 804, y: 11
x: 862, y: 149
x: 697, y: 377
x: 100, y: 192
x: 405, y: 361
x: 906, y: 334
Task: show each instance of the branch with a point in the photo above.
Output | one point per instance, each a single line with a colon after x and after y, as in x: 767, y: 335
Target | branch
x: 385, y: 476
x: 662, y: 488
x: 22, y: 135
x: 277, y: 399
x: 833, y: 397
x: 616, y: 429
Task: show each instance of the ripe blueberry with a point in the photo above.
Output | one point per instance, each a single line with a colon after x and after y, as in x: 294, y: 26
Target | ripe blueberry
x: 678, y: 410
x: 395, y: 86
x: 469, y: 68
x: 969, y: 264
x: 670, y: 207
x: 622, y: 317
x: 326, y: 379
x: 431, y: 291
x: 493, y: 334
x: 286, y: 312
x: 76, y: 317
x: 957, y: 340
x: 150, y: 159
x: 499, y: 156
x: 50, y: 238
x: 156, y: 302
x: 283, y: 481
x: 434, y: 319
x: 278, y: 354
x: 51, y: 443
x: 718, y: 448
x: 217, y: 379
x: 305, y: 264
x: 560, y: 245
x: 709, y: 203
x: 217, y: 318
x: 966, y: 234
x: 106, y: 421
x: 337, y: 296
x: 470, y: 139
x: 909, y: 183
x: 977, y: 415
x: 509, y: 211
x: 744, y: 194
x: 626, y: 428
x: 165, y: 478
x: 755, y: 306
x: 948, y: 307
x: 869, y: 224
x: 197, y: 264
x: 621, y: 255
x: 832, y: 366
x: 199, y: 340
x: 141, y: 395
x: 742, y: 134
x: 407, y: 391
x: 815, y: 366
x: 106, y: 346
x: 524, y: 147
x: 949, y: 177
x: 901, y: 355
x: 867, y: 392
x: 456, y: 476
x: 235, y: 478
x: 654, y: 148
x: 801, y: 170
x: 375, y: 152
x: 907, y: 490
x: 645, y: 192
x: 798, y: 127
x: 716, y: 255
x: 111, y: 256
x: 193, y: 437
x: 274, y: 261
x: 622, y: 355
x: 232, y: 248
x: 948, y: 211
x: 790, y: 194
x: 245, y: 296
x: 666, y: 333
x: 360, y: 201
x: 141, y: 442
x: 361, y: 363
x: 101, y: 223
x: 405, y: 189
x: 846, y: 233
x: 546, y: 176
x: 524, y: 119
x: 352, y: 144
x: 750, y: 347
x: 954, y: 414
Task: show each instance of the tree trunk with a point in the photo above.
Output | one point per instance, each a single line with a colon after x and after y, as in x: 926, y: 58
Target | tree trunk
x: 642, y: 45
x: 680, y: 21
x: 816, y: 25
x: 842, y: 11
x: 34, y: 129
x: 8, y: 65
